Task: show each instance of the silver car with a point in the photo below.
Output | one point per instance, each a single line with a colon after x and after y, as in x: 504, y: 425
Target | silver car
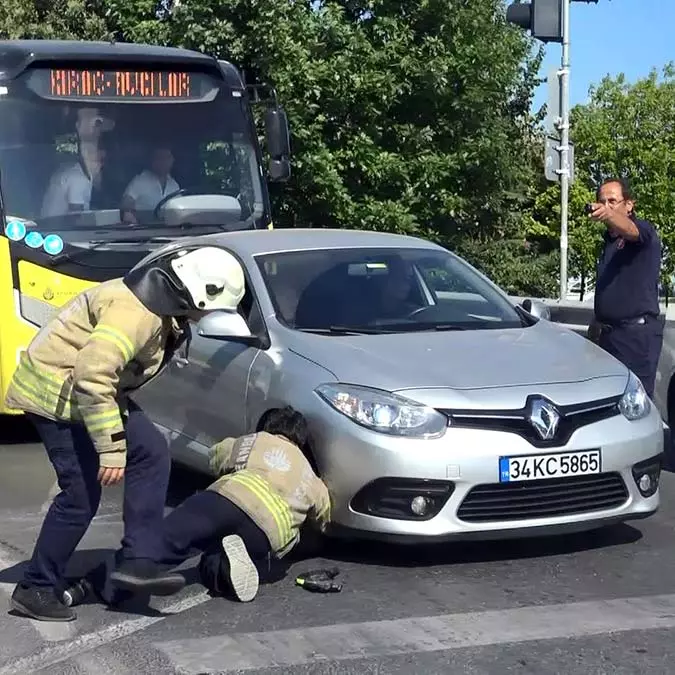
x: 438, y: 408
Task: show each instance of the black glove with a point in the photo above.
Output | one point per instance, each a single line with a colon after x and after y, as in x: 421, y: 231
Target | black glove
x: 319, y: 581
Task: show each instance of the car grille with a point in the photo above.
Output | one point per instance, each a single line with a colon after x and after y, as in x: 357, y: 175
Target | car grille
x: 543, y: 499
x: 573, y: 417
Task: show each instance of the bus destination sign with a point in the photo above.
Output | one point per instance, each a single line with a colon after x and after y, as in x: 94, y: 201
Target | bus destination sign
x: 121, y: 84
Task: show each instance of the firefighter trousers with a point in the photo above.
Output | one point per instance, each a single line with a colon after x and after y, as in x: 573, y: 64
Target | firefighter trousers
x: 75, y: 461
x: 198, y: 526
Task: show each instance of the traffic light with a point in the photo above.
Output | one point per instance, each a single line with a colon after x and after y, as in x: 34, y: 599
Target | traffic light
x: 543, y: 18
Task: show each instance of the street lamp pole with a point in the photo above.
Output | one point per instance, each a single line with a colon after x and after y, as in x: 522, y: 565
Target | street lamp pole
x: 564, y: 145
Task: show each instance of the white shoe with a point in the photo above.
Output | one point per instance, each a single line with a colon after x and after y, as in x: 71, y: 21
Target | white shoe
x: 243, y: 573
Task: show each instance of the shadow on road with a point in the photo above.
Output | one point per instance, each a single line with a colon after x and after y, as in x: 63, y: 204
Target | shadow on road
x: 423, y: 555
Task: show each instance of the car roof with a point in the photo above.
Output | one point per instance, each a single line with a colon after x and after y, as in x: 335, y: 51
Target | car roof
x: 258, y: 242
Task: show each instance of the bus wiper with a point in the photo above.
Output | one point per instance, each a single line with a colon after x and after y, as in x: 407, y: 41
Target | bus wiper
x: 95, y: 244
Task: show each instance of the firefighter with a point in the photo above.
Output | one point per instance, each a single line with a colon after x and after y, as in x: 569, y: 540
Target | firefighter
x: 73, y: 383
x: 251, y: 516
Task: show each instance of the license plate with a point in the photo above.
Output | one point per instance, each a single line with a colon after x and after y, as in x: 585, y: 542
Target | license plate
x: 541, y: 467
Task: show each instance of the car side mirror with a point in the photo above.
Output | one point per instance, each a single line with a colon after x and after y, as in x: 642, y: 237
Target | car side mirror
x: 229, y: 326
x: 537, y: 309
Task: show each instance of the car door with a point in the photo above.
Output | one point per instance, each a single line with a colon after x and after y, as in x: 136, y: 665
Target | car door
x: 201, y: 395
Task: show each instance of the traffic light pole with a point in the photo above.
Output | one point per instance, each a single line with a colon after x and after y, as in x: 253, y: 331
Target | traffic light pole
x: 565, y: 145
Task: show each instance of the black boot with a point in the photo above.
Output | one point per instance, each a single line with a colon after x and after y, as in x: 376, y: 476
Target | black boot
x: 40, y: 603
x: 95, y: 586
x: 146, y: 575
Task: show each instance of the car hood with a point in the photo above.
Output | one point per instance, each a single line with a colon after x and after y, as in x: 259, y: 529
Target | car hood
x: 541, y: 354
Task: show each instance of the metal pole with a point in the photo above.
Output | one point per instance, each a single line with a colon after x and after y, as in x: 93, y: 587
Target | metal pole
x: 565, y: 139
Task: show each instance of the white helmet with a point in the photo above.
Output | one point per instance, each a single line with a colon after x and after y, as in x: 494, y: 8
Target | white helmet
x: 183, y: 277
x: 212, y: 276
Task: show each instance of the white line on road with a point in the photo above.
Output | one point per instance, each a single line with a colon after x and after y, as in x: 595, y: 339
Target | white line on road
x: 51, y: 632
x: 339, y: 642
x: 86, y: 642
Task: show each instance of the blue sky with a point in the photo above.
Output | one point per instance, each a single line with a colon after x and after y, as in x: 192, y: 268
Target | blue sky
x: 612, y: 37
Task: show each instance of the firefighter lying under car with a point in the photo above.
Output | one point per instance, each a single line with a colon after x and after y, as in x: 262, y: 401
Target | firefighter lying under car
x: 252, y: 514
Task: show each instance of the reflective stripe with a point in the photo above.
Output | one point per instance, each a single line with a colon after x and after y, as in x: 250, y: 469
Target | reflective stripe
x: 116, y: 337
x: 42, y: 389
x: 100, y: 421
x: 45, y: 391
x: 274, y: 504
x: 263, y: 493
x: 283, y: 507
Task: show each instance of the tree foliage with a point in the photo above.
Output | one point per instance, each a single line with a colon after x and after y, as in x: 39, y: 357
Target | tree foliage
x: 405, y: 116
x: 628, y: 130
x: 411, y: 116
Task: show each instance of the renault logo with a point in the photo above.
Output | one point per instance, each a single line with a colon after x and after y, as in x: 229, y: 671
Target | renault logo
x: 544, y: 417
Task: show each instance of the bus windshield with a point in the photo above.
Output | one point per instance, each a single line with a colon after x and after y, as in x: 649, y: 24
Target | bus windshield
x: 106, y: 162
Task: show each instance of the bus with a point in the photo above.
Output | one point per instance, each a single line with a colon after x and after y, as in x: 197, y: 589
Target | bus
x: 109, y: 150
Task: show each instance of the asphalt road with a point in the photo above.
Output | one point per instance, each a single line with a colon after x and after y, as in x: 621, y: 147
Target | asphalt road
x: 598, y: 603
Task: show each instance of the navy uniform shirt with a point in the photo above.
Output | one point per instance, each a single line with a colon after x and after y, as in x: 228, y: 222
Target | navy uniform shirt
x: 627, y: 285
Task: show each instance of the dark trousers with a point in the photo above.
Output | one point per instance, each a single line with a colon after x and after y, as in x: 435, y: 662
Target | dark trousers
x: 198, y: 526
x: 638, y: 347
x: 72, y: 454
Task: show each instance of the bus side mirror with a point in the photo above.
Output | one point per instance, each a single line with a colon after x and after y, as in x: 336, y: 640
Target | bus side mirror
x: 278, y: 144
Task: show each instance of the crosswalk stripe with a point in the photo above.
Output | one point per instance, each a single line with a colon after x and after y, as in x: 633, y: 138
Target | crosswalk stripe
x: 49, y: 631
x: 339, y: 642
x: 85, y: 642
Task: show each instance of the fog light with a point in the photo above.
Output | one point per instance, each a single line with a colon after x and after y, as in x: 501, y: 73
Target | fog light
x: 646, y: 475
x: 419, y: 505
x: 414, y: 499
x: 644, y: 483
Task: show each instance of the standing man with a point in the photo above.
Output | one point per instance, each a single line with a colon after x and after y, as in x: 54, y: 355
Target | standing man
x: 73, y: 383
x: 628, y: 321
x: 70, y: 188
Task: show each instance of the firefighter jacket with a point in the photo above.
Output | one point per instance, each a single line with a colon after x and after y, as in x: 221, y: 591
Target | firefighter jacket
x: 271, y: 480
x: 79, y: 367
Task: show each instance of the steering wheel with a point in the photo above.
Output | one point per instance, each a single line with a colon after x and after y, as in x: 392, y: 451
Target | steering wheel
x: 166, y: 198
x: 419, y: 310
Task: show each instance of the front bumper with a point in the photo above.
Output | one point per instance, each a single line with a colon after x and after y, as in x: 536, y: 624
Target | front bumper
x: 460, y: 473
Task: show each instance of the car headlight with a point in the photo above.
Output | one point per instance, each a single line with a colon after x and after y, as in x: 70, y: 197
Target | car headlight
x: 383, y: 411
x: 634, y: 404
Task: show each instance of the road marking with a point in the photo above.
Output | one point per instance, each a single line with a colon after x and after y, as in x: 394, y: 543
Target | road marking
x: 339, y: 642
x: 57, y: 653
x: 49, y: 631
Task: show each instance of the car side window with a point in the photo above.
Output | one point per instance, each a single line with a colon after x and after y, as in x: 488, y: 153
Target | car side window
x: 250, y: 310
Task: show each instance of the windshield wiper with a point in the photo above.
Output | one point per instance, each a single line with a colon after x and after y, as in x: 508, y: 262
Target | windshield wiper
x: 419, y: 327
x: 389, y: 329
x: 344, y: 330
x: 448, y: 326
x: 95, y: 244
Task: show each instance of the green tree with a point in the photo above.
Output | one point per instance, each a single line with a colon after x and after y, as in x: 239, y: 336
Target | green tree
x: 406, y: 115
x: 584, y: 234
x: 628, y: 130
x: 56, y: 19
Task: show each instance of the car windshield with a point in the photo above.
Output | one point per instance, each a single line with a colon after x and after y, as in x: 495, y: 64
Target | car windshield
x: 68, y: 166
x: 366, y: 290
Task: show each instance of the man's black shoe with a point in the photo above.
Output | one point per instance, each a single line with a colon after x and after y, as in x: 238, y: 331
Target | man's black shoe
x: 40, y: 603
x: 146, y: 575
